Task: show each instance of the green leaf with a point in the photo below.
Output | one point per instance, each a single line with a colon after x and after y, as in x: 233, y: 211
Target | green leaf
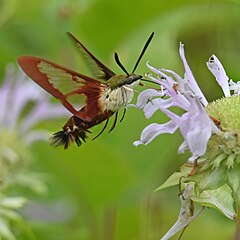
x: 11, y: 215
x: 173, y: 180
x: 234, y: 182
x: 5, y: 231
x: 13, y: 202
x: 210, y: 179
x: 220, y: 199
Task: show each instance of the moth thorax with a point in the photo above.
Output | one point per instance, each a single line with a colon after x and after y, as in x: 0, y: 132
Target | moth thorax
x: 113, y: 99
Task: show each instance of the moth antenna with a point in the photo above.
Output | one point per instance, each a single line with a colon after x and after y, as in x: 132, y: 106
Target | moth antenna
x: 119, y: 63
x: 143, y: 51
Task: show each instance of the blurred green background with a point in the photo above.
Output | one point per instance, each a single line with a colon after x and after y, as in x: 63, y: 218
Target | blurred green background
x: 107, y: 185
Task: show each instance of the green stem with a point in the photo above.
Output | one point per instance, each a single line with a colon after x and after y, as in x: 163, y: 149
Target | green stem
x: 237, y: 233
x: 237, y: 221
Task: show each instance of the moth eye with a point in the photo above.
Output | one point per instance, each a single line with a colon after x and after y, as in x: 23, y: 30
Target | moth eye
x: 128, y: 80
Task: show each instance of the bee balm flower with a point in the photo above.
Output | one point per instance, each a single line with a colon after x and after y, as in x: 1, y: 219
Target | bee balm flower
x: 17, y: 95
x: 211, y: 132
x: 199, y: 121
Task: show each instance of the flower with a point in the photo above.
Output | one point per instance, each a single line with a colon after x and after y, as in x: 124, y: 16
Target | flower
x: 23, y: 105
x: 211, y: 132
x: 17, y: 92
x: 195, y: 124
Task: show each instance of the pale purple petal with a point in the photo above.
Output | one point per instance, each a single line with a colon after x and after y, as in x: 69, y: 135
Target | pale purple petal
x: 159, y: 81
x: 181, y: 101
x: 216, y: 68
x: 18, y: 101
x: 155, y: 105
x: 190, y: 78
x: 145, y: 96
x: 196, y: 127
x: 183, y: 147
x: 177, y: 77
x: 44, y: 110
x: 5, y: 91
x: 235, y: 87
x: 22, y: 92
x: 197, y: 140
x: 178, y: 99
x: 153, y: 130
x: 172, y: 115
x: 16, y: 93
x: 166, y: 81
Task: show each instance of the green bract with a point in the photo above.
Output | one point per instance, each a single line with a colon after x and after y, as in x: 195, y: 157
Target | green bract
x: 226, y: 110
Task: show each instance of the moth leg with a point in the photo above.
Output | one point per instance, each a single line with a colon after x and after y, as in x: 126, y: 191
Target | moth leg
x: 114, y: 123
x: 104, y: 127
x: 124, y: 113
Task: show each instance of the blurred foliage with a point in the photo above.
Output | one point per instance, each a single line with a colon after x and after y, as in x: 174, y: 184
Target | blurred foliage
x: 107, y: 183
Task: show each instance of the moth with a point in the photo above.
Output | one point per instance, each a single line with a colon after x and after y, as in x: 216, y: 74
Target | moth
x: 90, y: 100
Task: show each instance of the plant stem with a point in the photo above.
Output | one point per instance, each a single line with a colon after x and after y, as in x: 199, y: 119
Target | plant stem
x: 237, y: 233
x: 237, y: 221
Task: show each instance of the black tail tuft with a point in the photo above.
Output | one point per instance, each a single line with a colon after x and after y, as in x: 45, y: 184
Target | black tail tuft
x: 63, y: 138
x: 82, y: 135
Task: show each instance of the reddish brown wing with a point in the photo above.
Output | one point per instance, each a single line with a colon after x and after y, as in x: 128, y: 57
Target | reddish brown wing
x: 65, y: 84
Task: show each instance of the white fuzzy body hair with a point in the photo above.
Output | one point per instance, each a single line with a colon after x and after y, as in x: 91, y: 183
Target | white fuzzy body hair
x: 114, y: 99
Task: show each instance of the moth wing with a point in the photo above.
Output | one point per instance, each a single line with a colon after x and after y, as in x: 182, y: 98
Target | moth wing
x: 68, y: 86
x: 98, y: 69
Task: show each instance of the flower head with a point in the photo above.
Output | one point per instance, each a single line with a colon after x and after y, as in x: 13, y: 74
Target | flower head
x: 23, y: 105
x: 197, y: 124
x: 16, y: 93
x: 211, y: 132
